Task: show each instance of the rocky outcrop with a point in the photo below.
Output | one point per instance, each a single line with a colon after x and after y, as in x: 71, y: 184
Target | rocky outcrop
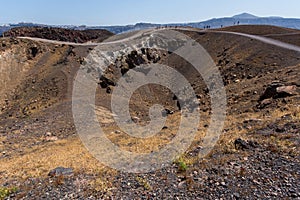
x: 126, y: 62
x: 278, y: 90
x: 60, y: 34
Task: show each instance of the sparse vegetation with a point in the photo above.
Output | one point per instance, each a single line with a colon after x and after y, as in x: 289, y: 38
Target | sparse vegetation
x: 6, y: 192
x: 101, y: 185
x: 143, y: 182
x: 182, y: 163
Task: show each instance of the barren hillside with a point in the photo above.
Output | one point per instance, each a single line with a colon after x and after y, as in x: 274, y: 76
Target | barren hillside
x: 256, y: 157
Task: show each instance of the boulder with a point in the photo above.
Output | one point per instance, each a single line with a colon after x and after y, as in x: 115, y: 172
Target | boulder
x: 278, y: 90
x: 270, y: 91
x: 287, y: 90
x: 58, y: 171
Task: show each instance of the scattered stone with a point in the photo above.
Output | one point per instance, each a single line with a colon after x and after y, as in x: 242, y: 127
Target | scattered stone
x: 182, y: 184
x: 249, y: 76
x: 135, y: 119
x: 264, y: 103
x: 240, y: 144
x: 51, y: 138
x: 237, y: 195
x: 48, y: 134
x: 60, y: 171
x: 278, y: 90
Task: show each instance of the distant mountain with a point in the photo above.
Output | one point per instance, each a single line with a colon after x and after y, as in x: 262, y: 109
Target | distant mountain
x: 248, y: 19
x: 244, y: 18
x: 122, y: 29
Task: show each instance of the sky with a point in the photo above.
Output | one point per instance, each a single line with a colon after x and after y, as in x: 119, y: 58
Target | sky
x: 121, y: 12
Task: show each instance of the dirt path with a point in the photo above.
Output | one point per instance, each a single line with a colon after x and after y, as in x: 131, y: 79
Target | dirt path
x: 267, y: 40
x: 119, y: 38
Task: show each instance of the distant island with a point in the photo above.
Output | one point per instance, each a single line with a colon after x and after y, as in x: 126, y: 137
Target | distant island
x: 240, y: 19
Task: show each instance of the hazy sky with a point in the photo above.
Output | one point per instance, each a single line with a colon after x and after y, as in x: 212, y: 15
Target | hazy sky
x: 113, y: 12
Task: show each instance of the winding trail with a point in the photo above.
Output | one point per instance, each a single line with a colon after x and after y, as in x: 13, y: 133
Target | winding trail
x: 267, y: 40
x: 121, y: 38
x: 109, y: 40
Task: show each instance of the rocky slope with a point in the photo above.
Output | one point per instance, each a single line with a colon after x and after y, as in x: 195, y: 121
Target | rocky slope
x: 257, y: 156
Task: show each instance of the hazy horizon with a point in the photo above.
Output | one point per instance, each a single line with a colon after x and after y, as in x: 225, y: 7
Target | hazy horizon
x: 117, y: 12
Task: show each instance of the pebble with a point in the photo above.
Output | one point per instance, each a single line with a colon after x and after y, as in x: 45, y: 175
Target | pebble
x: 51, y: 139
x: 49, y: 134
x: 237, y: 195
x: 181, y: 184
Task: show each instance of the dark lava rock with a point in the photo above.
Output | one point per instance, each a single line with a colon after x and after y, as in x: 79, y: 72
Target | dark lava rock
x: 270, y: 91
x: 108, y: 90
x: 278, y: 90
x: 240, y: 144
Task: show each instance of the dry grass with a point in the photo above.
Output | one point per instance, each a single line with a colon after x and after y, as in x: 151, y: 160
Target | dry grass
x: 144, y: 145
x: 40, y: 160
x: 236, y: 129
x: 71, y: 153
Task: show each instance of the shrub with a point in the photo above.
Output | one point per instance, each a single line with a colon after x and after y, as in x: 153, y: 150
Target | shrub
x: 6, y: 192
